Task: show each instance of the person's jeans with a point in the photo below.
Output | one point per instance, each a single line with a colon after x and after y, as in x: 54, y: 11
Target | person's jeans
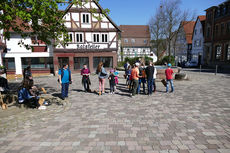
x: 171, y: 83
x: 150, y: 86
x: 101, y: 85
x: 64, y: 90
x: 141, y: 80
x: 135, y: 85
x: 154, y: 85
x: 112, y: 85
x: 86, y: 84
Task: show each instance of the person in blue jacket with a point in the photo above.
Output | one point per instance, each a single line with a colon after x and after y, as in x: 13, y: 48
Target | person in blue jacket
x: 64, y: 76
x: 24, y: 96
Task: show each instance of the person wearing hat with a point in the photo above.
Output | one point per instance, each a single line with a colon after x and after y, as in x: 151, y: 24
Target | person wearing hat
x: 135, y: 77
x: 112, y: 81
x: 169, y: 78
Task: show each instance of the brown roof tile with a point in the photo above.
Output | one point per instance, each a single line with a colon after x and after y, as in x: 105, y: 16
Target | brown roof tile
x: 135, y: 31
x: 188, y: 29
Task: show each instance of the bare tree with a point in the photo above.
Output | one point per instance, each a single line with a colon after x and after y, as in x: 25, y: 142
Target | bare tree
x: 171, y: 17
x: 155, y: 25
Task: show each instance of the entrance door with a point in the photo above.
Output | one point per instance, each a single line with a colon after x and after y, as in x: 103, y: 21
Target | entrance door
x: 199, y: 60
x: 63, y: 60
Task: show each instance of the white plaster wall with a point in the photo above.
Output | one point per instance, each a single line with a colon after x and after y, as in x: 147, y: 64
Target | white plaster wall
x: 75, y: 16
x: 67, y: 24
x: 196, y: 50
x: 111, y: 26
x: 104, y: 25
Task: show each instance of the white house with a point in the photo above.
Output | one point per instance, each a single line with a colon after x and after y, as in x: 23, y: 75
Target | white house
x: 92, y: 40
x: 135, y: 41
x: 183, y: 44
x: 16, y: 57
x: 198, y: 40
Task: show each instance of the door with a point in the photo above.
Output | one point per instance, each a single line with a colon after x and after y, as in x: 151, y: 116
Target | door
x: 199, y: 60
x: 63, y: 60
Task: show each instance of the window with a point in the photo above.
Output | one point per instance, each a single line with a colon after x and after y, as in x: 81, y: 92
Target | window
x: 70, y: 37
x: 133, y: 40
x: 37, y: 62
x: 85, y: 18
x: 228, y: 52
x: 108, y: 61
x: 218, y: 52
x: 208, y: 32
x: 228, y: 28
x: 9, y: 63
x: 126, y: 40
x: 96, y: 38
x: 143, y: 50
x: 79, y: 38
x: 145, y: 41
x: 217, y: 30
x: 104, y: 38
x: 80, y: 61
x: 222, y: 29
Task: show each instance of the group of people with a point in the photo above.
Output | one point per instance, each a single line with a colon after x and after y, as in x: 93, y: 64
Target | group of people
x: 139, y: 74
x: 136, y: 75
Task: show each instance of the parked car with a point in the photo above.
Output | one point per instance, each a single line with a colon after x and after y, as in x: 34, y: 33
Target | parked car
x: 191, y: 64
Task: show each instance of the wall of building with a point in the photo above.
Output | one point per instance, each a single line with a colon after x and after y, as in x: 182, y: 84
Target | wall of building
x: 198, y: 42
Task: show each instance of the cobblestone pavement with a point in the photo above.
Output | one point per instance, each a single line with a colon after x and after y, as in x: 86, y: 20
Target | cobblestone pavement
x: 193, y: 119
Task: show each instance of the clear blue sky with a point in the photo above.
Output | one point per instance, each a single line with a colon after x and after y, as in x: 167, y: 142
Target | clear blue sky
x: 138, y: 12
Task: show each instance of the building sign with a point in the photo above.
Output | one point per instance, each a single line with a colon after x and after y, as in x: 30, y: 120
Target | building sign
x: 88, y: 46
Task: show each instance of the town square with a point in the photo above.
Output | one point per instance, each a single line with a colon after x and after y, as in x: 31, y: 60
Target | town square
x: 87, y: 76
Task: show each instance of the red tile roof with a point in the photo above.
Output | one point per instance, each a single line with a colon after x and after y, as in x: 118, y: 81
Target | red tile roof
x: 188, y: 29
x: 135, y: 31
x: 18, y: 22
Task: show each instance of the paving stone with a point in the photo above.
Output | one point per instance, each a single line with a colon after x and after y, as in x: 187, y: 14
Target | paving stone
x: 194, y: 119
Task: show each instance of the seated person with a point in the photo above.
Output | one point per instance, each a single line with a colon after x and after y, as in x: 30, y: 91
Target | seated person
x: 24, y: 96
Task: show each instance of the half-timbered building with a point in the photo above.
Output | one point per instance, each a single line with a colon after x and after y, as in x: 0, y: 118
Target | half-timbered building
x: 91, y: 39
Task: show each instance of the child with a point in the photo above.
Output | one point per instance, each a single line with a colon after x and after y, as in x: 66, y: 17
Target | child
x: 111, y: 81
x: 169, y: 78
x: 116, y: 74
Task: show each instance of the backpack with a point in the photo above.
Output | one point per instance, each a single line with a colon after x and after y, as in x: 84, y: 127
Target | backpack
x: 62, y: 74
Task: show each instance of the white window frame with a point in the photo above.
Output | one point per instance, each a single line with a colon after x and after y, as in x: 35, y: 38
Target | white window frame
x: 71, y: 33
x: 79, y: 37
x: 99, y: 39
x: 104, y: 34
x: 82, y: 17
x: 126, y: 40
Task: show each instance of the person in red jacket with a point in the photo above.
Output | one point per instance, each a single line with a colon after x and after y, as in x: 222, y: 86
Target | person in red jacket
x: 169, y: 78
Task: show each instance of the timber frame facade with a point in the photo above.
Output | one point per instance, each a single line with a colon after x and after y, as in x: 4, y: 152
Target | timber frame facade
x: 91, y: 40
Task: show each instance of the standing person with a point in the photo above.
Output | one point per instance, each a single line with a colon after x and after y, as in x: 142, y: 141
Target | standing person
x: 102, y: 74
x: 128, y: 80
x: 112, y: 81
x: 126, y: 65
x: 27, y: 75
x: 150, y: 72
x: 116, y: 74
x: 85, y: 72
x: 142, y: 78
x: 135, y: 78
x: 65, y: 79
x: 169, y: 78
x: 154, y: 78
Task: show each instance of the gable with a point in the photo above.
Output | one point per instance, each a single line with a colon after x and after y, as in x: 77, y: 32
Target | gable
x: 92, y: 5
